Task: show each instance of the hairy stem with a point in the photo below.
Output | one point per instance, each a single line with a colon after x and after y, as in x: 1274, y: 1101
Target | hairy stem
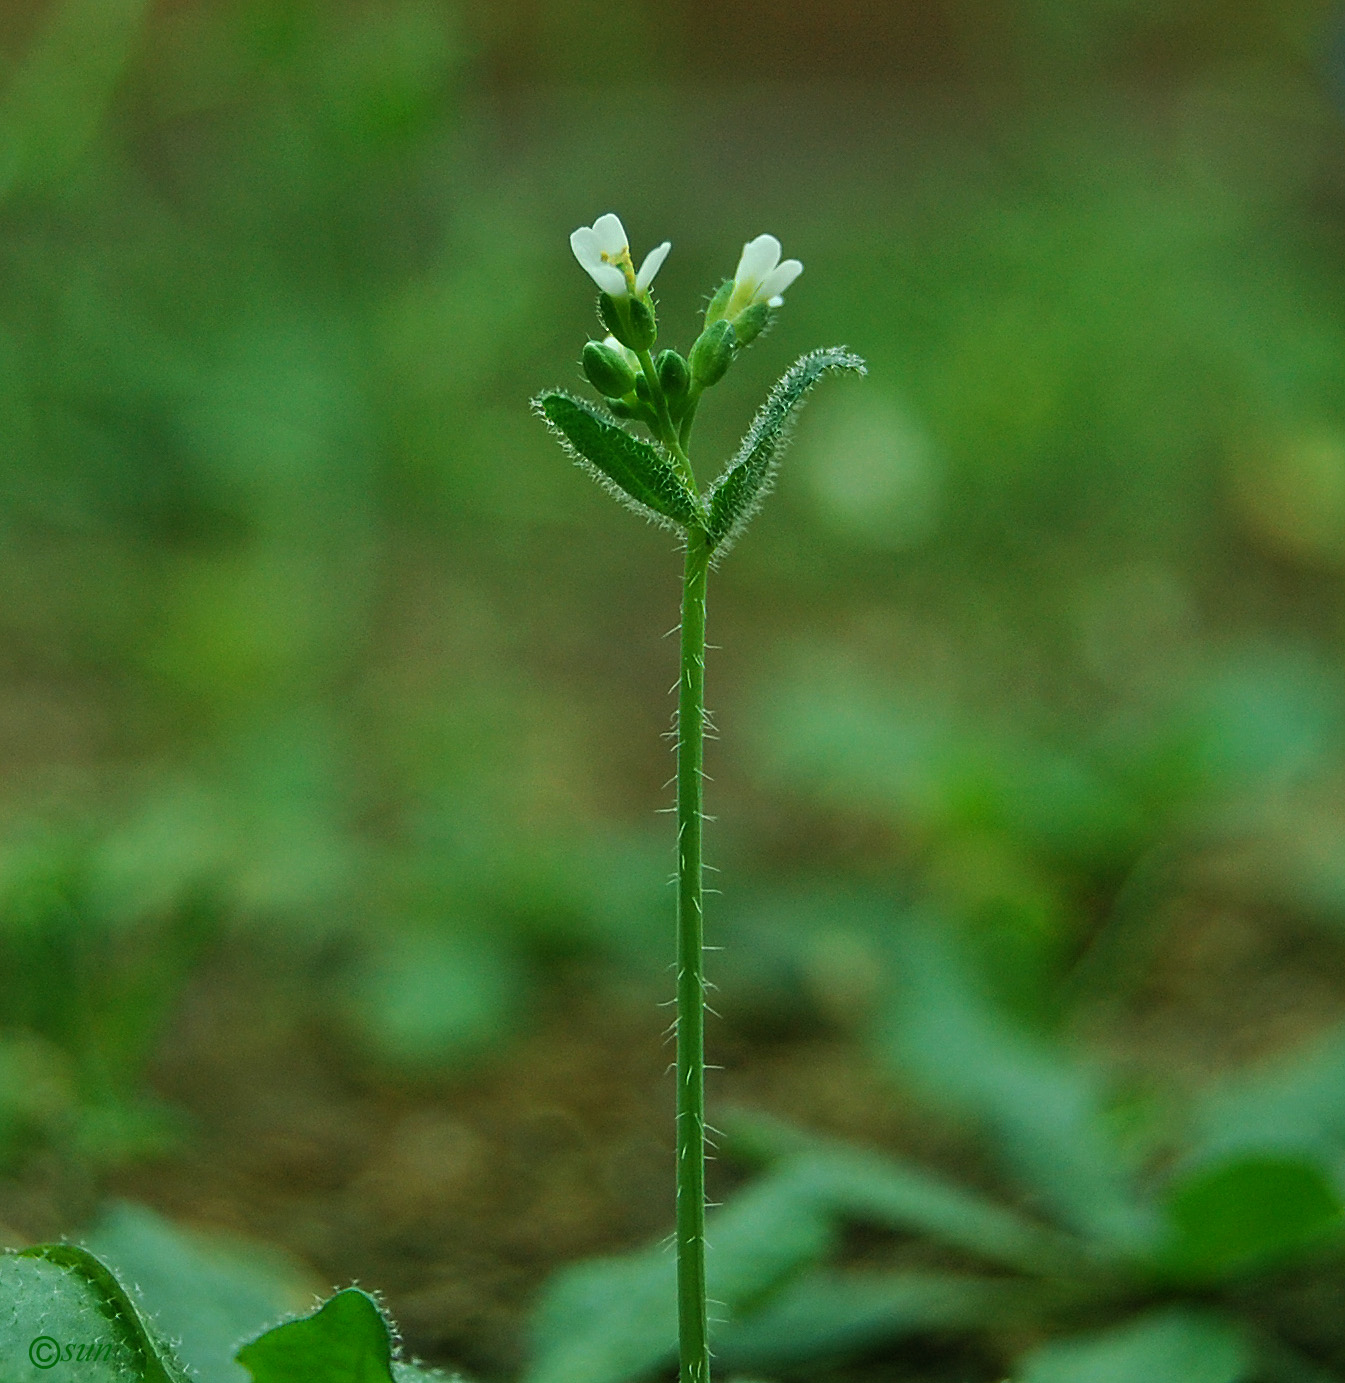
x: 693, y: 1344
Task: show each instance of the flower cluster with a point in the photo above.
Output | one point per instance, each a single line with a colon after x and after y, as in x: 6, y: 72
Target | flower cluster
x: 663, y: 392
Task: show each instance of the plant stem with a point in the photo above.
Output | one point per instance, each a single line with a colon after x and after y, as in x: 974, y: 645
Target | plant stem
x: 689, y: 416
x: 669, y: 436
x: 693, y: 1343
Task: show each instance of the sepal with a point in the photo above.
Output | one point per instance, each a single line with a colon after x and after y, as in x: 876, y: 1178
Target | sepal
x: 751, y: 322
x: 719, y: 303
x: 630, y: 320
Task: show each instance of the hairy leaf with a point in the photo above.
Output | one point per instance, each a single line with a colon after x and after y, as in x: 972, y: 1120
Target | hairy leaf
x: 60, y: 1304
x: 207, y: 1293
x: 638, y: 474
x: 346, y: 1340
x: 737, y: 494
x: 1172, y: 1346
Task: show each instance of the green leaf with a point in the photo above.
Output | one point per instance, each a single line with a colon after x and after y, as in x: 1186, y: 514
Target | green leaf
x: 424, y: 999
x: 56, y: 1298
x: 1044, y: 1108
x: 1174, y: 1346
x: 883, y: 1190
x: 1295, y: 1104
x: 60, y: 91
x: 616, y: 1319
x: 737, y: 494
x: 206, y: 1293
x: 829, y: 1314
x: 638, y: 474
x: 346, y: 1340
x: 1247, y: 1212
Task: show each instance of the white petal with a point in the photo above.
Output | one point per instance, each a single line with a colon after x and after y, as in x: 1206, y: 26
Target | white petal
x: 759, y: 257
x: 611, y: 234
x: 584, y: 243
x: 653, y: 262
x: 779, y: 279
x: 609, y: 278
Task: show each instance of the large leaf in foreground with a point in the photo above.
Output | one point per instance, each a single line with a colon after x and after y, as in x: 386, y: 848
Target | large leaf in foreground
x: 737, y: 494
x: 60, y: 1305
x: 206, y: 1293
x: 346, y: 1340
x: 638, y: 474
x: 1172, y: 1346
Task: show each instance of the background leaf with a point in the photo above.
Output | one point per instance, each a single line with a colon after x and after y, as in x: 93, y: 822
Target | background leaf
x: 1292, y: 1103
x: 1043, y: 1108
x: 1244, y: 1213
x: 882, y: 1190
x: 616, y: 1319
x: 1162, y: 1347
x: 828, y: 1314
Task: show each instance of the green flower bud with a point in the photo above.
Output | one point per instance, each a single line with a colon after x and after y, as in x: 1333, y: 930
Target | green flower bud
x: 630, y: 320
x: 748, y: 324
x: 642, y: 390
x: 719, y: 302
x: 642, y: 323
x: 675, y: 377
x: 624, y: 410
x: 613, y: 318
x: 607, y: 370
x: 712, y: 354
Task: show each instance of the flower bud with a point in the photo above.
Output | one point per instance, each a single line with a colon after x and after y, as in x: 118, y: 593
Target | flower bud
x: 712, y: 354
x: 674, y: 376
x: 719, y: 302
x: 642, y: 390
x: 631, y: 320
x: 607, y: 370
x: 748, y: 324
x: 642, y: 323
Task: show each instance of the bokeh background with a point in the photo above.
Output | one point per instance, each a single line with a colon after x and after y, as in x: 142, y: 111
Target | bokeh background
x: 332, y: 879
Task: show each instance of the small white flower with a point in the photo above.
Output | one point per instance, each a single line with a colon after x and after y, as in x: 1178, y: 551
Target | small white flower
x: 761, y: 277
x: 604, y: 254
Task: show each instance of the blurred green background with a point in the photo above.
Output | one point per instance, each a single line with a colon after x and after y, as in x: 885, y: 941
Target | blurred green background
x: 331, y: 696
